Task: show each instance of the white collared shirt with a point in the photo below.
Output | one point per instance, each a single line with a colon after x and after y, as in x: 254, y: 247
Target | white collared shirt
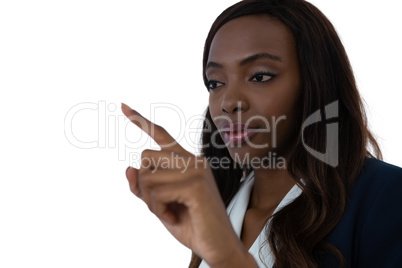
x: 236, y: 210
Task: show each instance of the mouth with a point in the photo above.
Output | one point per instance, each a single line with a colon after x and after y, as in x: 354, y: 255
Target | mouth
x: 236, y: 134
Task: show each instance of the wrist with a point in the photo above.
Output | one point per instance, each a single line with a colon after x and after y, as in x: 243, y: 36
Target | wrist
x: 241, y: 259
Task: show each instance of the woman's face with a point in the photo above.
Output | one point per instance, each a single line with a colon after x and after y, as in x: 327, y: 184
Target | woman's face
x: 254, y: 84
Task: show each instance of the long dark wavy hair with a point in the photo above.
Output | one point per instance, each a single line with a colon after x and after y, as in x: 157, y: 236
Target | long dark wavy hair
x: 297, y: 232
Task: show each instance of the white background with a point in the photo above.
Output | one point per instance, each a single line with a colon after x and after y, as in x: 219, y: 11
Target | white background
x: 65, y: 206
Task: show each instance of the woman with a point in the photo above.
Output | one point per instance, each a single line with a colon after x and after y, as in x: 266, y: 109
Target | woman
x: 285, y: 149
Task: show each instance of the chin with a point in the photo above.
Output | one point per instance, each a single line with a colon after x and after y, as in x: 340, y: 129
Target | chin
x: 258, y: 158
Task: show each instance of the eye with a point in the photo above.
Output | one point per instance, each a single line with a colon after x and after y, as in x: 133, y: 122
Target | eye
x: 212, y: 84
x: 262, y: 77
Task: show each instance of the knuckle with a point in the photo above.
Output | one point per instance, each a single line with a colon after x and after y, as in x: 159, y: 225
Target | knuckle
x: 146, y: 153
x: 147, y: 163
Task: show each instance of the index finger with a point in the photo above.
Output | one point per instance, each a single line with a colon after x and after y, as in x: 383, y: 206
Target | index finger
x: 156, y: 132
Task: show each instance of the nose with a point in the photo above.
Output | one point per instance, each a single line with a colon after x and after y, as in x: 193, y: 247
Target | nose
x: 234, y: 100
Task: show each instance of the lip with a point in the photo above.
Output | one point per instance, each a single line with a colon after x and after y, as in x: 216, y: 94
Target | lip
x: 237, y: 133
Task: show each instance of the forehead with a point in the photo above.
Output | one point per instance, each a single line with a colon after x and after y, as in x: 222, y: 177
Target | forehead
x: 250, y: 35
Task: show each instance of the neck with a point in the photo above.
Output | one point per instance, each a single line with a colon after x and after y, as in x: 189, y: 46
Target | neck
x: 270, y: 187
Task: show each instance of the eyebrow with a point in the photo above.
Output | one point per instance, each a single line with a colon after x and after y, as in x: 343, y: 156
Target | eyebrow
x: 247, y: 60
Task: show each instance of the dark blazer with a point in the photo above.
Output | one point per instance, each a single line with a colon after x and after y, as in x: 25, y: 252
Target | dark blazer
x: 370, y: 231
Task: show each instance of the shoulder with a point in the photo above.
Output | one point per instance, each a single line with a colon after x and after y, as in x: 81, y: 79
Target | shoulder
x: 379, y: 182
x: 378, y: 189
x: 379, y: 172
x: 369, y: 232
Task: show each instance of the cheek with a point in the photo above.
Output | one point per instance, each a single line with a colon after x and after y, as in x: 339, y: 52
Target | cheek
x: 214, y: 106
x: 284, y: 100
x: 277, y: 106
x: 282, y: 110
